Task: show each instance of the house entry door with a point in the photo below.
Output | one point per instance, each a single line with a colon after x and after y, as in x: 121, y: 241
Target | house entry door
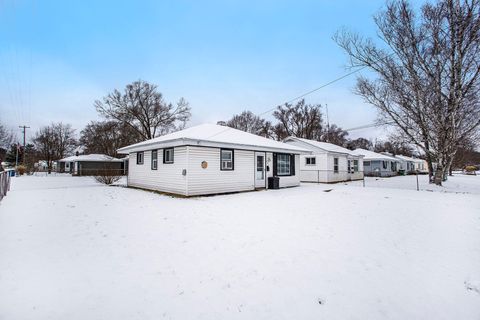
x: 259, y: 170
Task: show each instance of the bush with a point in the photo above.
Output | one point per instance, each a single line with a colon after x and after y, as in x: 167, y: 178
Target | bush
x: 107, y: 177
x: 21, y: 170
x: 470, y: 170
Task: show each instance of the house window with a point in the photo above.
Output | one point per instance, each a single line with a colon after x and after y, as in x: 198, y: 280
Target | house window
x: 226, y: 159
x: 355, y: 165
x: 393, y: 166
x: 335, y: 165
x: 283, y: 164
x: 366, y: 163
x: 385, y: 164
x: 168, y: 155
x: 310, y: 161
x: 154, y: 159
x: 140, y: 157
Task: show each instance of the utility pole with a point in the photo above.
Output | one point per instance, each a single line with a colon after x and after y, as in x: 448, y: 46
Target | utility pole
x: 24, y: 129
x: 328, y: 124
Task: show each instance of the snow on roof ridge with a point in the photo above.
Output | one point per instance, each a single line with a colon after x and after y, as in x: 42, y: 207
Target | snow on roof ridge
x: 328, y: 146
x: 372, y: 155
x: 214, y: 133
x: 90, y: 157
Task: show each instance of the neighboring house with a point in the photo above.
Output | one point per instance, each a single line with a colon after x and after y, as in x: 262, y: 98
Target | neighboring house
x: 328, y: 162
x: 421, y: 166
x: 90, y: 164
x: 377, y: 164
x: 407, y: 164
x: 211, y: 159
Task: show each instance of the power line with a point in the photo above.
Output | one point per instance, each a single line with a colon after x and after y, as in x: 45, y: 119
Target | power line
x: 301, y: 96
x: 369, y: 126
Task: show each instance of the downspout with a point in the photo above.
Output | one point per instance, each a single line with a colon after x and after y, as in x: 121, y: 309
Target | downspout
x: 187, y: 169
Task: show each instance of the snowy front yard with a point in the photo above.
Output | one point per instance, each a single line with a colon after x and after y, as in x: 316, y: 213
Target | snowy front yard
x: 73, y: 249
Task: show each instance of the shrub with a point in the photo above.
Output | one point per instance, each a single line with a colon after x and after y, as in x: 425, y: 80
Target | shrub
x: 21, y: 170
x: 107, y: 177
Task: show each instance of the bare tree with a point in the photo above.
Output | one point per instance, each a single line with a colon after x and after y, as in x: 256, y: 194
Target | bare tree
x: 54, y: 142
x: 107, y: 136
x: 428, y: 75
x: 336, y: 135
x: 247, y: 121
x: 6, y: 137
x: 301, y: 120
x: 360, y: 143
x: 142, y: 108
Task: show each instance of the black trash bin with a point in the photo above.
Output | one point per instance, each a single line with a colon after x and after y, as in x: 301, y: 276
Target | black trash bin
x: 273, y: 183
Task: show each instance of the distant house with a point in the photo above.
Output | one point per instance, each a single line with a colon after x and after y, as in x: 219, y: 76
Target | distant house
x: 90, y: 164
x: 212, y: 159
x: 377, y: 164
x: 407, y: 164
x: 327, y: 162
x: 421, y: 166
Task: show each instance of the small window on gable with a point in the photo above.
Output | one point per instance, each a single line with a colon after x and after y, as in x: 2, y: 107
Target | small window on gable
x: 168, y: 155
x: 140, y: 157
x: 310, y: 161
x: 226, y: 159
x: 335, y: 165
x: 154, y: 159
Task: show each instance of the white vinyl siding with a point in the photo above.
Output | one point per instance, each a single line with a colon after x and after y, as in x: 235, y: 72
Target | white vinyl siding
x: 212, y: 180
x: 167, y: 178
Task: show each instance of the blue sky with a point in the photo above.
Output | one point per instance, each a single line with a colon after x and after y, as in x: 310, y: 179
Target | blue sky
x: 58, y: 57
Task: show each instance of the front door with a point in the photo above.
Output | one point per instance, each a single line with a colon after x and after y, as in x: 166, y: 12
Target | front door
x: 259, y: 170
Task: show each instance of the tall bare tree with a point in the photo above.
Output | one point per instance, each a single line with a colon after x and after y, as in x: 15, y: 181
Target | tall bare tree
x: 107, y: 136
x: 427, y: 74
x: 336, y: 135
x: 142, y: 107
x: 249, y: 122
x: 54, y: 142
x: 301, y: 120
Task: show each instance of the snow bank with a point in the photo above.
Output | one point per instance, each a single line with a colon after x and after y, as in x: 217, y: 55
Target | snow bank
x: 74, y: 249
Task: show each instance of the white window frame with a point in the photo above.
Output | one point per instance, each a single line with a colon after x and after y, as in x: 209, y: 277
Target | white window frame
x: 154, y: 160
x: 168, y: 156
x: 309, y: 159
x: 140, y: 157
x: 284, y: 169
x: 335, y: 165
x: 227, y: 164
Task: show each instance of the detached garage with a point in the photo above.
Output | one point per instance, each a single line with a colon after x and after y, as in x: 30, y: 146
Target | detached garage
x: 91, y: 164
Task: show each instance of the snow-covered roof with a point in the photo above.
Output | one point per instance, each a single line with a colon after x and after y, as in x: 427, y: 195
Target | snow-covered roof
x: 404, y: 158
x: 213, y: 135
x: 90, y: 157
x: 370, y: 155
x: 329, y: 147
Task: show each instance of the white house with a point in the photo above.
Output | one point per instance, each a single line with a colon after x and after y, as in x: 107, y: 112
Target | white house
x: 328, y: 162
x: 407, y: 164
x: 377, y: 164
x: 211, y: 159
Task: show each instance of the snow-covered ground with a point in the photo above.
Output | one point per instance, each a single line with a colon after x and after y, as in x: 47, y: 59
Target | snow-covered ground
x: 71, y: 248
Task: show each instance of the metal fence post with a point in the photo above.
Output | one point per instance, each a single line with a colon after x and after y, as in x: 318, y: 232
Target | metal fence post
x: 418, y: 189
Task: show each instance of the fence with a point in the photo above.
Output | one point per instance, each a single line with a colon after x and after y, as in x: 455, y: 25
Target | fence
x: 330, y: 176
x: 334, y: 176
x: 4, y: 184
